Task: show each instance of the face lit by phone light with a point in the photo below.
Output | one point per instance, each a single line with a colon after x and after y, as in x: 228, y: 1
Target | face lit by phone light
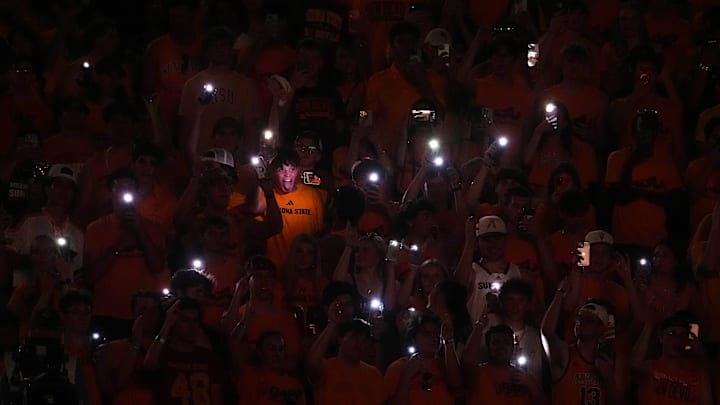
x: 286, y: 178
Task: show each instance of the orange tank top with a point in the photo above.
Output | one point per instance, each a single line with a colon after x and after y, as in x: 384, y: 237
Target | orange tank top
x: 668, y: 385
x: 580, y: 384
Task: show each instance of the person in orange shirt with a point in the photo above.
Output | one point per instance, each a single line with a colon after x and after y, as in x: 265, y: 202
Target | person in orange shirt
x: 706, y: 268
x: 71, y: 145
x: 124, y: 252
x: 423, y: 376
x: 156, y: 200
x: 665, y: 288
x: 645, y: 188
x: 678, y: 376
x: 77, y: 339
x: 188, y: 369
x: 345, y: 377
x: 304, y: 280
x: 120, y: 361
x: 509, y: 97
x: 567, y: 26
x: 702, y: 177
x: 392, y: 92
x: 268, y: 382
x: 95, y: 198
x: 373, y: 20
x: 550, y: 146
x: 172, y: 59
x: 582, y: 371
x: 573, y: 208
x: 260, y: 313
x: 301, y: 206
x: 649, y: 75
x: 503, y: 379
x: 414, y: 292
x: 214, y: 93
x: 586, y: 104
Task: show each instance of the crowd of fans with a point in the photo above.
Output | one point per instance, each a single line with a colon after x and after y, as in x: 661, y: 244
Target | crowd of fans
x: 360, y: 201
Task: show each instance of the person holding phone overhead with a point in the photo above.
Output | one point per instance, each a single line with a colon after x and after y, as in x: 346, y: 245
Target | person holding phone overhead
x: 679, y: 374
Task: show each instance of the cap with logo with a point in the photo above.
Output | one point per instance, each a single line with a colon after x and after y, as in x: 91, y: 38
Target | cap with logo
x: 64, y: 171
x: 490, y: 224
x: 219, y: 155
x: 597, y: 311
x: 599, y: 236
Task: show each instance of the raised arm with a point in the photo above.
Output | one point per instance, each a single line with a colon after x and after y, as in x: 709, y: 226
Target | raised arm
x: 273, y: 223
x: 464, y: 271
x: 556, y: 349
x: 154, y: 353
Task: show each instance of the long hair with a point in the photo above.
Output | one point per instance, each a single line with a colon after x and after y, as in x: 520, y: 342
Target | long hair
x: 290, y: 275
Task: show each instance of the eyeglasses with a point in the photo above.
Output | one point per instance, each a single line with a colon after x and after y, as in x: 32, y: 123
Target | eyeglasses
x: 307, y: 148
x: 426, y: 377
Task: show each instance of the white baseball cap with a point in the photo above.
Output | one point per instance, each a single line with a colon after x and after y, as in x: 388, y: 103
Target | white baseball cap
x: 64, y: 171
x: 490, y: 224
x: 219, y: 155
x: 599, y: 236
x: 438, y: 37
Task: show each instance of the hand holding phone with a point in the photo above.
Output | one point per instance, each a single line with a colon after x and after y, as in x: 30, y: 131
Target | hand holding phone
x: 551, y: 115
x: 583, y: 254
x: 259, y: 164
x: 208, y: 94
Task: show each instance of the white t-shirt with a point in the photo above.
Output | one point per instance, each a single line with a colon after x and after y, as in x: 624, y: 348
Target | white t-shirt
x: 484, y: 283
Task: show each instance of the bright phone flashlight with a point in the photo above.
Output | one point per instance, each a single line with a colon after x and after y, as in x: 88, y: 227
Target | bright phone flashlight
x: 374, y: 177
x: 503, y: 141
x: 197, y: 264
x: 376, y: 304
x: 166, y: 291
x: 521, y: 360
x: 95, y: 336
x: 643, y: 261
x: 128, y: 198
x: 268, y: 135
x: 550, y: 108
x: 439, y: 161
x: 394, y: 243
x: 495, y: 286
x: 411, y: 349
x: 209, y: 88
x: 61, y: 241
x: 434, y: 144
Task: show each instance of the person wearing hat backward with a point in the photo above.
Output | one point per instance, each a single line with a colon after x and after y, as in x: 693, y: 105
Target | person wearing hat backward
x: 53, y: 220
x: 679, y: 375
x: 484, y: 278
x: 586, y: 369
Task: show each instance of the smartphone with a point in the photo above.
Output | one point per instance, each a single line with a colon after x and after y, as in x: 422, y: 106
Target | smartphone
x: 96, y: 339
x: 694, y: 330
x: 424, y: 116
x: 309, y: 178
x: 583, y: 253
x: 365, y: 118
x: 377, y: 307
x: 86, y: 65
x: 487, y: 114
x: 259, y: 164
x: 533, y: 54
x: 207, y: 95
x: 502, y: 143
x: 393, y: 250
x: 551, y: 115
